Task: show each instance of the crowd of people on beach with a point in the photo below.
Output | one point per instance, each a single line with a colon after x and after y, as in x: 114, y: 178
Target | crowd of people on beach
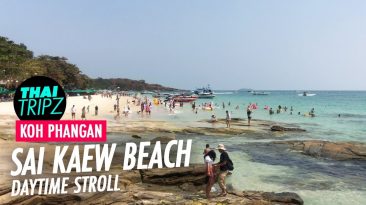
x: 146, y: 104
x: 84, y: 111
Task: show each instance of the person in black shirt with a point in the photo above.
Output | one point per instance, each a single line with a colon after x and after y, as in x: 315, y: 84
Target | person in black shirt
x: 224, y: 170
x: 249, y: 114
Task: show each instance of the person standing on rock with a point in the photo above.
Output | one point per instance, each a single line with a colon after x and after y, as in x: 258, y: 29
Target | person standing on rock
x: 224, y: 168
x: 207, y: 149
x: 209, y: 157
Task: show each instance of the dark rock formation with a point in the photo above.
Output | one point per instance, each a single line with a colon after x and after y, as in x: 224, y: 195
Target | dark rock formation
x: 136, y: 136
x: 332, y: 150
x: 283, y: 198
x: 156, y: 187
x: 177, y: 176
x: 277, y: 128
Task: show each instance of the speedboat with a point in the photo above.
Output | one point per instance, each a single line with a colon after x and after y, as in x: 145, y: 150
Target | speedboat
x: 185, y: 98
x: 306, y: 94
x: 182, y: 97
x: 204, y: 92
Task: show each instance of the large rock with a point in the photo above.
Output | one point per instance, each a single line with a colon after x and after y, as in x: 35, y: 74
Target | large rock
x: 326, y: 149
x: 258, y: 197
x: 157, y: 191
x: 136, y: 136
x: 175, y: 176
x: 277, y: 128
x: 283, y: 198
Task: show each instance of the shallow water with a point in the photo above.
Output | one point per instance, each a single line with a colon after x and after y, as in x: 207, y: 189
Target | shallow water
x: 264, y: 167
x: 351, y: 105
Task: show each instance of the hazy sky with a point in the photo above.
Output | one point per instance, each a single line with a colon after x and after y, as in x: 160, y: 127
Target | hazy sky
x: 309, y: 44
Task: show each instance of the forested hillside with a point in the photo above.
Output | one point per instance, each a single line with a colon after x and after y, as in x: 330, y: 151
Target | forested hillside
x: 17, y: 63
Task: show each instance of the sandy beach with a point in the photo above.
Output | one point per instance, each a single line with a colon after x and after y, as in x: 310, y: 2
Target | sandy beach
x: 104, y: 104
x: 273, y: 137
x: 134, y: 122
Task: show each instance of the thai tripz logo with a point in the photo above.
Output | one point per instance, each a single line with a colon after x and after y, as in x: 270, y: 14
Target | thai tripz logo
x: 40, y: 103
x: 39, y: 98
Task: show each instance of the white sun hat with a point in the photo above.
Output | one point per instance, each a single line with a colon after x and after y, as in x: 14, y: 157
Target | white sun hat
x: 221, y: 146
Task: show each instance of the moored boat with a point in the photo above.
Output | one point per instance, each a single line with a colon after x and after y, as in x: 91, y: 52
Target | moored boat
x: 204, y: 93
x: 260, y: 93
x: 306, y: 94
x: 184, y: 98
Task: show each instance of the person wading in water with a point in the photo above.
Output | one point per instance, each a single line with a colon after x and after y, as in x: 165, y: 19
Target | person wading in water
x: 249, y: 115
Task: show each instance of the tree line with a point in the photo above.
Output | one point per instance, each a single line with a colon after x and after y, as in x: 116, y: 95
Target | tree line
x: 17, y: 63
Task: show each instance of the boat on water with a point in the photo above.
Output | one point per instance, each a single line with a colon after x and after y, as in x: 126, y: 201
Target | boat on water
x: 161, y: 95
x: 185, y: 98
x: 260, y: 93
x: 204, y: 92
x: 182, y: 97
x: 306, y: 94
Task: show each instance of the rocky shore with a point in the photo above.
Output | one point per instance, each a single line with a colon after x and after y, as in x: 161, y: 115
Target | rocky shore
x: 326, y: 149
x: 180, y: 185
x: 157, y: 186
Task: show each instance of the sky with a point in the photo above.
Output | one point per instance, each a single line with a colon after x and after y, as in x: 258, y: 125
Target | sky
x: 258, y: 44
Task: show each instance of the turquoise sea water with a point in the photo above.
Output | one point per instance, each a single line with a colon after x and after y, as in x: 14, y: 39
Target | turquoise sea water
x: 351, y: 105
x: 262, y: 166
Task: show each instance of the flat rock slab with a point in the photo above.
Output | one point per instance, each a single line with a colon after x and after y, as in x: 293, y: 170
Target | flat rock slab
x: 277, y: 128
x: 331, y: 150
x: 177, y: 176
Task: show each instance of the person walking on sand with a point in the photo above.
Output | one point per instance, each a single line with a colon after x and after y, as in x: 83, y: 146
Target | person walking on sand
x: 224, y: 168
x: 126, y: 110
x: 83, y: 113
x: 228, y: 119
x: 148, y: 109
x: 73, y: 112
x: 96, y: 110
x: 142, y: 106
x: 118, y: 116
x: 209, y: 157
x: 249, y: 115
